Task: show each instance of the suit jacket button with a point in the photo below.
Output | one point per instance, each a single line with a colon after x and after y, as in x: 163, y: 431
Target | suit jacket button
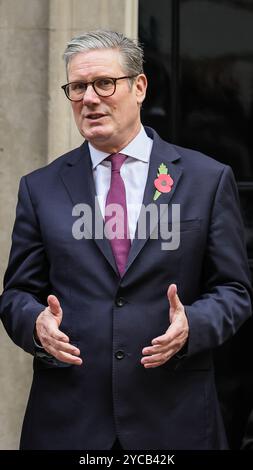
x: 120, y: 301
x: 119, y: 355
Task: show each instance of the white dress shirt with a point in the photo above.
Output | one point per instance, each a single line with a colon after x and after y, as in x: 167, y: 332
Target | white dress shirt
x: 134, y: 173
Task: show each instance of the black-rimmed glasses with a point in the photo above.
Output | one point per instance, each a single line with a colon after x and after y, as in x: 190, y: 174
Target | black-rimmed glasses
x: 104, y: 86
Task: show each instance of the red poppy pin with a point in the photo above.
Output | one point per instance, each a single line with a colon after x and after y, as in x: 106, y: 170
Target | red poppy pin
x: 163, y: 182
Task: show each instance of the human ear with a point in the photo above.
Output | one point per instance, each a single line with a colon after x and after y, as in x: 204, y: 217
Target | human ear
x: 141, y: 84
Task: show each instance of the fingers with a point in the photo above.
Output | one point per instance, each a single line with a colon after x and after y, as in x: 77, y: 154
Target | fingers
x: 157, y: 355
x: 53, y: 340
x: 54, y: 305
x: 66, y: 356
x: 64, y: 352
x: 173, y: 332
x: 61, y: 350
x: 47, y: 326
x: 154, y: 357
x: 49, y: 331
x: 173, y: 298
x: 165, y: 346
x: 157, y: 359
x: 50, y: 343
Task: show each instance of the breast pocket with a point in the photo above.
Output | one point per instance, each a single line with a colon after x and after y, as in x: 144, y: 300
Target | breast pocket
x: 186, y: 225
x: 172, y: 234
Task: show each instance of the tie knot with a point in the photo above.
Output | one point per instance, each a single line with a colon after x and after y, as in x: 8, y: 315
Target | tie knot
x: 117, y: 160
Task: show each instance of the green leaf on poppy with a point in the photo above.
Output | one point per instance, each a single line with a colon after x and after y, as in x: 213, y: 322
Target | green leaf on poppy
x: 156, y: 195
x: 162, y: 170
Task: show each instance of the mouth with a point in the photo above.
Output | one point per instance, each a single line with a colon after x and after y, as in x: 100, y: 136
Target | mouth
x: 94, y: 116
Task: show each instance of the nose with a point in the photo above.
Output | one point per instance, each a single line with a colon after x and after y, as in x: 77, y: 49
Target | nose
x: 90, y: 96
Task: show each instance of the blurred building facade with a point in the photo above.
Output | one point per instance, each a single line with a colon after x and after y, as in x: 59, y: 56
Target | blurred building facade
x: 36, y: 126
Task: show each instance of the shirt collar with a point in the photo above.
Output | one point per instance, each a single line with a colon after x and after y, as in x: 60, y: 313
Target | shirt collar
x: 139, y: 149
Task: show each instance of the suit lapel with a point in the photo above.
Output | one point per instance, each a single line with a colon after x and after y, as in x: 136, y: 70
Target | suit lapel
x: 78, y: 180
x: 162, y: 152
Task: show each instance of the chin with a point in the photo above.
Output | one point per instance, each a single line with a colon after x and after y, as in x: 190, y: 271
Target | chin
x: 97, y: 135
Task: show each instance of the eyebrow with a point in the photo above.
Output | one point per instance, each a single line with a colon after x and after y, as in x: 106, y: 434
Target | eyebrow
x: 96, y: 78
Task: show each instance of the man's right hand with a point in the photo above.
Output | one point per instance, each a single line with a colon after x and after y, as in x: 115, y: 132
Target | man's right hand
x: 54, y: 341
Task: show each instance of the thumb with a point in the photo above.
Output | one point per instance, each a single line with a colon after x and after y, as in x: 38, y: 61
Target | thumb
x: 173, y: 297
x: 54, y: 306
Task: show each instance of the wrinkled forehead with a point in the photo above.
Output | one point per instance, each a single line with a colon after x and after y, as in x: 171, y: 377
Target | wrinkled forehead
x: 95, y: 61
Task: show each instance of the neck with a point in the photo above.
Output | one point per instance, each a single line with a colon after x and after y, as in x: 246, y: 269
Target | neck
x: 116, y: 147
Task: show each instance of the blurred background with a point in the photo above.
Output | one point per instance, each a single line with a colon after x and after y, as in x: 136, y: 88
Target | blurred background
x: 199, y: 62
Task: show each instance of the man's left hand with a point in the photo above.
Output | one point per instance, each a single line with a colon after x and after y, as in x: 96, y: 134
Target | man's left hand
x: 165, y: 346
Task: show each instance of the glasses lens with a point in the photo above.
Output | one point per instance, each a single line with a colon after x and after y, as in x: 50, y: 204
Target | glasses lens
x: 104, y: 86
x: 75, y: 90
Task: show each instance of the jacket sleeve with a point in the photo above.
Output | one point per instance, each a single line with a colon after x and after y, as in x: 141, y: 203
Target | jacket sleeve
x: 225, y: 302
x: 26, y: 282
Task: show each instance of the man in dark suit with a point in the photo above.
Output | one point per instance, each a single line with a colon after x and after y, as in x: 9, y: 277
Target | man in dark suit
x: 122, y: 327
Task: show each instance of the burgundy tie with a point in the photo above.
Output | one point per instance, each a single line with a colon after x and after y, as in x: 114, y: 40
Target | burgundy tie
x: 117, y: 195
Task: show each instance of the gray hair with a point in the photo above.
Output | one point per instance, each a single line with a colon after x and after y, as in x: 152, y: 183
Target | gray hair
x: 131, y: 52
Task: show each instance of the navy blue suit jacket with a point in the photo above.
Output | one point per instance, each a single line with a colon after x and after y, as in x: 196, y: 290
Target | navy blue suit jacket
x: 175, y: 405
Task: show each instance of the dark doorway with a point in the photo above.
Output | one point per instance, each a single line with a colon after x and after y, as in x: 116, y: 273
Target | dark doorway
x: 199, y: 59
